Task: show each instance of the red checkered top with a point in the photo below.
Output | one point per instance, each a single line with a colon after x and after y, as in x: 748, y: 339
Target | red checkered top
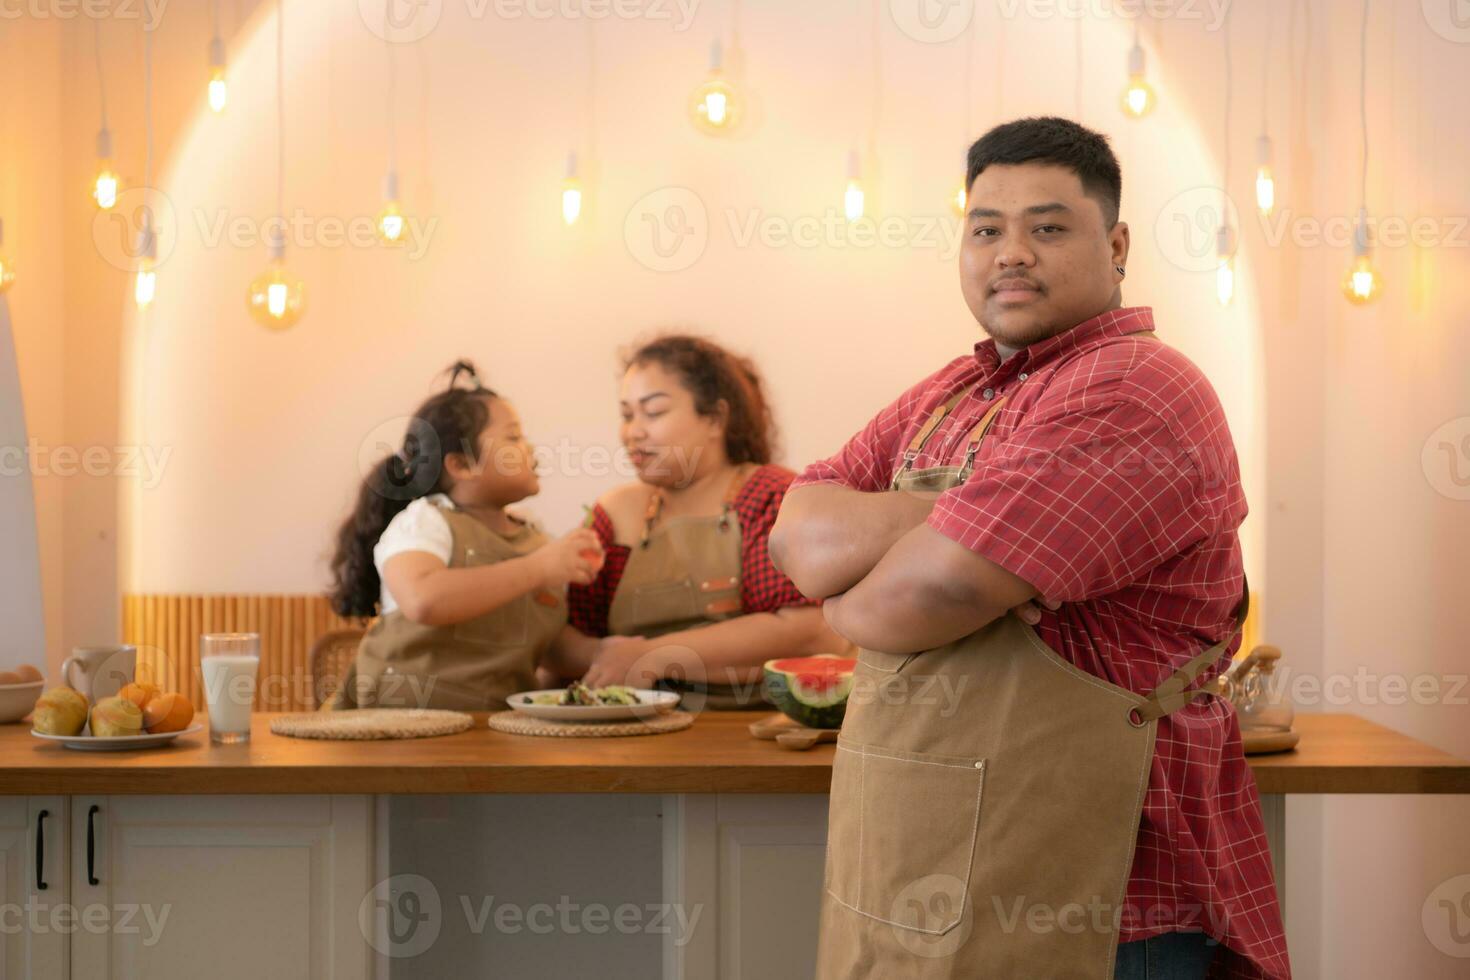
x: 1109, y: 481
x: 762, y: 587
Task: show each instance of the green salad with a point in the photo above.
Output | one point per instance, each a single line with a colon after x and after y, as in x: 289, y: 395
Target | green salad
x: 578, y: 693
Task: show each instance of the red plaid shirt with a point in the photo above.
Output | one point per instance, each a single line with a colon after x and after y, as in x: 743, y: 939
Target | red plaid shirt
x: 762, y: 587
x: 1109, y: 481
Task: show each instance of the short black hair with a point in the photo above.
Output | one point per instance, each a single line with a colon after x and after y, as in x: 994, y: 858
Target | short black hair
x: 1052, y: 139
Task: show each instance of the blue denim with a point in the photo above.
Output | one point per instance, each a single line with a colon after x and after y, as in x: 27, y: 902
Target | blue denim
x: 1171, y: 956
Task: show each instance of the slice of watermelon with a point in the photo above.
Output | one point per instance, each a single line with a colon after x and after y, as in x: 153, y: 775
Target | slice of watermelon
x: 811, y: 690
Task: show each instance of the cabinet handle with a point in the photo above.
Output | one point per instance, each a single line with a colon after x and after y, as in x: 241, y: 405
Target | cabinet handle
x: 41, y: 850
x: 92, y: 845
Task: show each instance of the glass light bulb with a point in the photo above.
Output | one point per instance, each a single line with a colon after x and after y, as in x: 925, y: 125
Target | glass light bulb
x: 1225, y: 280
x: 219, y: 92
x: 104, y: 187
x: 1138, y: 98
x: 1362, y: 284
x: 276, y: 299
x: 959, y: 200
x: 391, y: 224
x: 852, y: 200
x: 571, y: 200
x: 146, y: 284
x: 1265, y: 190
x: 7, y: 272
x: 713, y: 107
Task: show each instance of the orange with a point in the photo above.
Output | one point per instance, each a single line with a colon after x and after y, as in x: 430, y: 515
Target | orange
x: 168, y: 712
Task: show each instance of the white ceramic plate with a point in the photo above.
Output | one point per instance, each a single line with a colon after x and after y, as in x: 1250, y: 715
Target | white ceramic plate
x: 649, y: 703
x: 95, y: 744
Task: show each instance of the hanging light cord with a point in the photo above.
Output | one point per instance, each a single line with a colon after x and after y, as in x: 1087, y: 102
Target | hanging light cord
x: 876, y: 80
x: 215, y: 17
x: 1266, y: 72
x: 392, y: 101
x: 969, y: 74
x: 1077, y: 58
x: 281, y: 113
x: 147, y: 112
x: 1363, y: 104
x: 1225, y: 182
x: 97, y: 53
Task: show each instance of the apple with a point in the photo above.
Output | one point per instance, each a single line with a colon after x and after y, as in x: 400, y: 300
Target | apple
x: 116, y: 716
x: 60, y: 711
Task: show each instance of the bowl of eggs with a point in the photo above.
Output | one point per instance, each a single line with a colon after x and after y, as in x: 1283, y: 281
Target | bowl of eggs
x: 19, y: 689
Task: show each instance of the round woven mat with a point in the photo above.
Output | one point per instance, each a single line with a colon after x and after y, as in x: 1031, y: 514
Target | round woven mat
x: 369, y: 723
x: 518, y: 723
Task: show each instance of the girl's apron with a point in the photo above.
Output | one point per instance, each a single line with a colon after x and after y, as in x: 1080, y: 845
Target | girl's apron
x: 469, y: 666
x: 986, y: 798
x: 683, y: 575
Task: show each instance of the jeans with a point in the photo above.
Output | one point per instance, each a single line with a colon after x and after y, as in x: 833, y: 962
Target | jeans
x: 1171, y: 956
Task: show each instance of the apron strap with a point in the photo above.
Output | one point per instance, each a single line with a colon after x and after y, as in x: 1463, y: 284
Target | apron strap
x: 727, y: 504
x: 1172, y: 693
x: 921, y: 438
x: 972, y: 446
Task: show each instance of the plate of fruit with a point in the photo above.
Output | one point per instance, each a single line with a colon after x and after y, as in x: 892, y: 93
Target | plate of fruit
x: 139, y: 716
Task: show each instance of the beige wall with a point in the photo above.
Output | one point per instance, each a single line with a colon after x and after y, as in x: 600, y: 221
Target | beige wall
x: 1360, y: 558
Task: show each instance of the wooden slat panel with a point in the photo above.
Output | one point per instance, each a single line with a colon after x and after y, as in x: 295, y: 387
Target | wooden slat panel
x: 166, y: 630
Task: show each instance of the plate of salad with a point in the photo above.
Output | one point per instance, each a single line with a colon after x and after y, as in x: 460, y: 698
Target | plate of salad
x: 578, y: 702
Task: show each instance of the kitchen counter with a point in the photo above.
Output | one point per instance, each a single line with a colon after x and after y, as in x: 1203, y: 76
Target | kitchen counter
x: 1338, y: 753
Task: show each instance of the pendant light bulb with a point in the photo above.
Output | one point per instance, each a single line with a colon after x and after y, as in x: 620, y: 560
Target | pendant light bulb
x: 145, y: 284
x: 276, y: 298
x: 1361, y: 284
x: 105, y: 184
x: 853, y: 199
x: 7, y: 268
x: 713, y: 106
x: 219, y: 92
x: 1225, y: 264
x: 571, y: 192
x: 391, y: 224
x: 1265, y: 181
x: 1138, y: 96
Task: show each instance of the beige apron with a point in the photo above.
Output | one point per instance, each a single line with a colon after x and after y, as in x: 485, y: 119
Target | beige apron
x: 469, y: 666
x: 682, y: 575
x: 986, y: 799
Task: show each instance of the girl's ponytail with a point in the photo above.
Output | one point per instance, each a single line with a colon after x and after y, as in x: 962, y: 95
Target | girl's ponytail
x: 449, y: 422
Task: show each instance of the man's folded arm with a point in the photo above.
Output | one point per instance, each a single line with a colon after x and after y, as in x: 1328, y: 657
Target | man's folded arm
x: 926, y: 591
x: 828, y: 536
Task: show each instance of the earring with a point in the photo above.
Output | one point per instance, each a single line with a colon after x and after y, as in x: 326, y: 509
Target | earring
x: 1121, y: 271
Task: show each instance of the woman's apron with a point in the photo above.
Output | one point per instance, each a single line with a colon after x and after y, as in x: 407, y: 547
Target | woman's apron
x: 681, y: 575
x: 986, y: 799
x: 469, y: 666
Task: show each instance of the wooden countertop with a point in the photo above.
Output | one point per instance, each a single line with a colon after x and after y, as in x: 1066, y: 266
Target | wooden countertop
x: 1338, y: 754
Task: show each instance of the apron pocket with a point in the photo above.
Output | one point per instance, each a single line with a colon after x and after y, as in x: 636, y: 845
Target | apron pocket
x: 508, y: 626
x: 902, y: 834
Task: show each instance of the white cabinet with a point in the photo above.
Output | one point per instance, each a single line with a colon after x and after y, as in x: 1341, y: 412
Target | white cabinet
x: 220, y: 886
x: 748, y: 869
x: 33, y: 888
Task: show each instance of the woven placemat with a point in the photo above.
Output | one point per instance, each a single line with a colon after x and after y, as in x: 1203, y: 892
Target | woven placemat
x: 371, y: 723
x: 518, y: 723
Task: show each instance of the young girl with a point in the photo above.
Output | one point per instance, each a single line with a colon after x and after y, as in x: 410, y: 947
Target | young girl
x: 469, y: 596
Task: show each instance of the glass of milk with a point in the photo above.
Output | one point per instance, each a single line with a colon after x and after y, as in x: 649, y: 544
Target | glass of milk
x: 228, y: 663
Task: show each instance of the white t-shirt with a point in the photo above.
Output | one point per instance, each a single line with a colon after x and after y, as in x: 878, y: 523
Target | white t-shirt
x: 420, y: 527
